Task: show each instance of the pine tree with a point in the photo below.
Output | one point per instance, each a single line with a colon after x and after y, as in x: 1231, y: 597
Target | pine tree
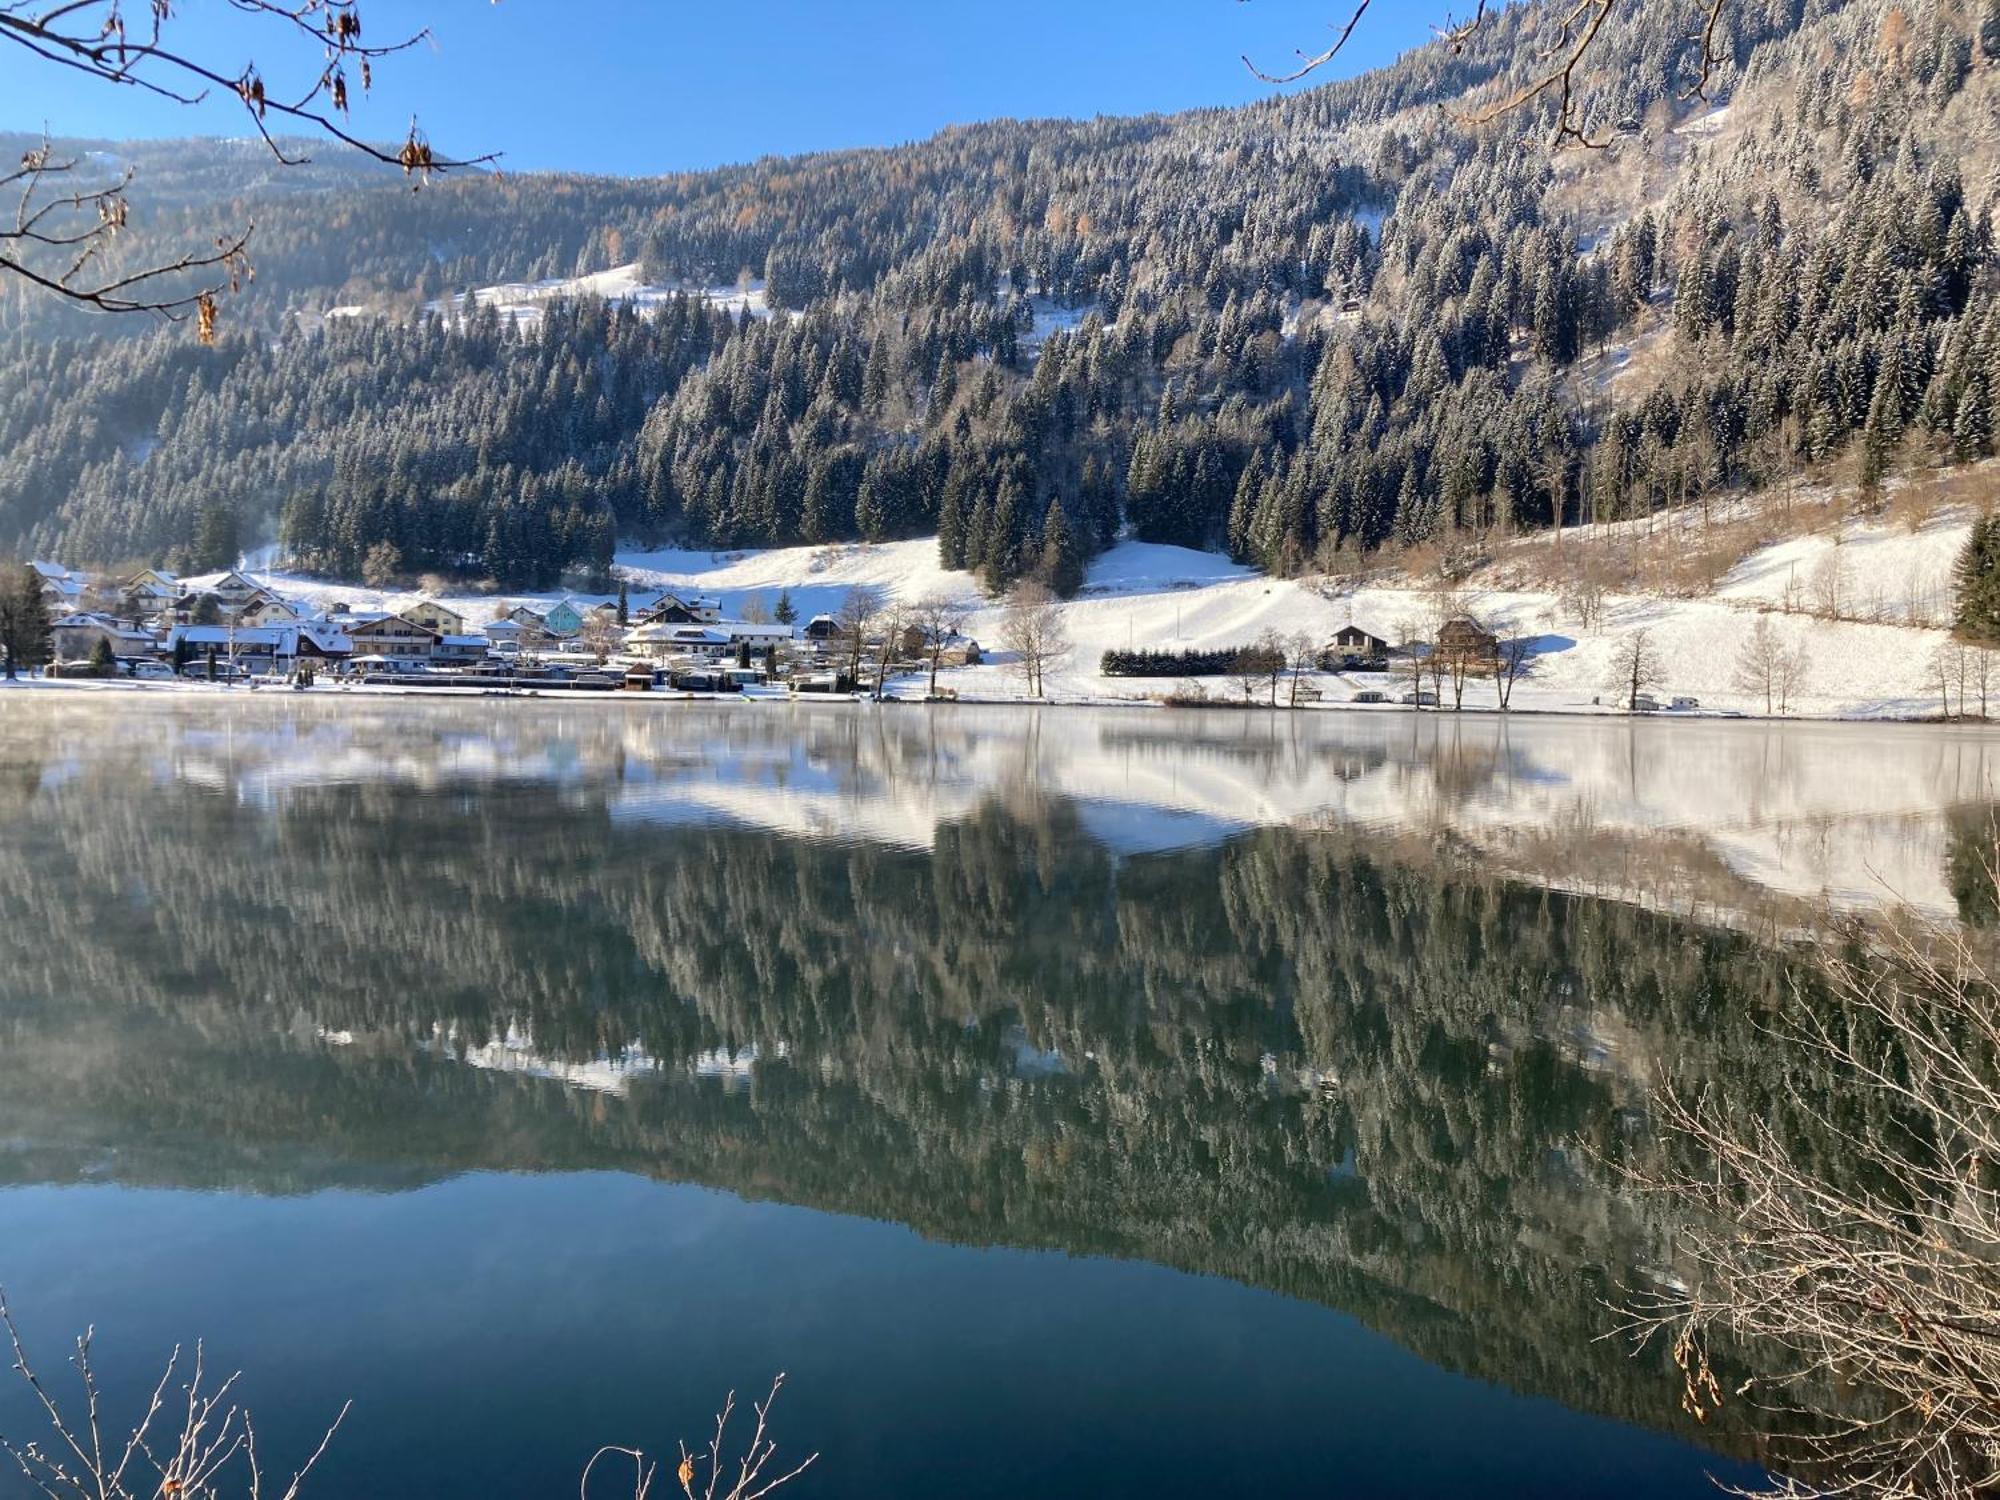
x: 215, y: 537
x: 1976, y: 583
x: 951, y: 529
x: 1062, y: 553
x: 624, y: 605
x: 1972, y: 426
x: 24, y: 620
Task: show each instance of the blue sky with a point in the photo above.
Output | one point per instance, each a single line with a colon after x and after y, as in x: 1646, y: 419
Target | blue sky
x: 641, y: 86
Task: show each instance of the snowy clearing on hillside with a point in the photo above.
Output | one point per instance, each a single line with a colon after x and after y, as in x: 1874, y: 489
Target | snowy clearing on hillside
x: 1142, y: 595
x: 1052, y: 318
x: 524, y: 302
x: 1871, y: 570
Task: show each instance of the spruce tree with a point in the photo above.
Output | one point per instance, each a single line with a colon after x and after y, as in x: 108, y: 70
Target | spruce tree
x: 1062, y: 553
x: 1976, y: 584
x: 24, y: 620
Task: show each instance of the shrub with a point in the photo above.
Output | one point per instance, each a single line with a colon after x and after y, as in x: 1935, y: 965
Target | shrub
x: 1189, y: 663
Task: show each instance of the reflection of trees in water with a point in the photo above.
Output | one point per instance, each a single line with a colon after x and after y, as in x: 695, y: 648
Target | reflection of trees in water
x: 1972, y: 835
x: 1371, y: 1082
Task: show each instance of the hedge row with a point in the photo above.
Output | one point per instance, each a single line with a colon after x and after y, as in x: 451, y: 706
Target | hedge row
x: 1169, y: 663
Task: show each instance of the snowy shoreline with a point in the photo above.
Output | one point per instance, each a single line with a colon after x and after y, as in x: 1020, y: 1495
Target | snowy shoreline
x: 1221, y: 707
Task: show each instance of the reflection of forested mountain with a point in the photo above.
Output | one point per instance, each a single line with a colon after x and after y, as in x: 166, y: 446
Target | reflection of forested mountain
x: 1310, y: 1060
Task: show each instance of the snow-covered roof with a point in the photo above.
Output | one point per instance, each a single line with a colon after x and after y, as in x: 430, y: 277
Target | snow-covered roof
x: 283, y: 639
x: 678, y: 635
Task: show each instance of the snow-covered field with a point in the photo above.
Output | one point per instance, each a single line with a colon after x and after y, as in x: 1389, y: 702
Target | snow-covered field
x: 1140, y: 595
x: 524, y: 302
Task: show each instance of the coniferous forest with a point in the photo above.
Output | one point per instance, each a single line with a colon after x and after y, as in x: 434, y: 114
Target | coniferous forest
x: 1322, y: 324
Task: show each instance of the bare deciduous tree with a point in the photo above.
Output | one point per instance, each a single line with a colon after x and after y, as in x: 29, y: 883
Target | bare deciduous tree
x: 940, y: 618
x: 895, y: 623
x: 1032, y: 628
x: 1794, y: 671
x: 1877, y: 1278
x: 1635, y: 667
x: 1303, y: 651
x: 1759, y: 662
x: 1570, y: 30
x: 1582, y: 586
x: 1260, y: 664
x: 64, y: 219
x: 1831, y: 584
x: 859, y: 608
x: 600, y: 634
x: 1516, y: 661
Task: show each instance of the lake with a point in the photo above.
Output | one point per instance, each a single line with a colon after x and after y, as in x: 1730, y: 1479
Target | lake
x: 1120, y: 1102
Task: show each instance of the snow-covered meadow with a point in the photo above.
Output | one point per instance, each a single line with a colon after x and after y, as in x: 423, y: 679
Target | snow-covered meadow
x: 1140, y: 595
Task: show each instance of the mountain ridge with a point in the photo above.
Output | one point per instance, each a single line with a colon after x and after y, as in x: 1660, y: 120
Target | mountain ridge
x: 1257, y: 360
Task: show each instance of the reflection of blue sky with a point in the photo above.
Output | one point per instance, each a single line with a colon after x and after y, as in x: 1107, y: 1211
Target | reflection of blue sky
x: 493, y: 1330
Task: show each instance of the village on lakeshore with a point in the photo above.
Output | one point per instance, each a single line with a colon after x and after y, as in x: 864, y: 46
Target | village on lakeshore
x: 1148, y: 624
x: 239, y: 628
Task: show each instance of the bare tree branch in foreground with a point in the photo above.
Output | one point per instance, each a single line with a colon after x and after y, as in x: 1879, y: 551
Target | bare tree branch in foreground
x: 191, y: 1441
x: 739, y: 1478
x: 64, y: 218
x: 1572, y: 29
x: 1874, y: 1276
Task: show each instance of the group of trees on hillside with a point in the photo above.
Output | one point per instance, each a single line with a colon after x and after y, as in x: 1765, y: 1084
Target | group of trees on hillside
x: 1335, y: 321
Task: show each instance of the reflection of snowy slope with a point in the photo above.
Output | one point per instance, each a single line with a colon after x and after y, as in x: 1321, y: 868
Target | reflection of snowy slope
x: 1130, y: 829
x: 1851, y: 813
x: 515, y: 1053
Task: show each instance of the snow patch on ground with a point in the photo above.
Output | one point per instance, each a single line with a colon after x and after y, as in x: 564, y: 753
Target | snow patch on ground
x: 1710, y: 123
x: 1051, y: 318
x: 1869, y: 569
x: 524, y: 302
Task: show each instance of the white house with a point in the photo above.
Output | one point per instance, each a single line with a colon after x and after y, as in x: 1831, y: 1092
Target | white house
x: 274, y: 646
x: 757, y: 636
x: 660, y: 641
x: 461, y: 648
x: 75, y: 637
x: 62, y: 588
x: 269, y: 609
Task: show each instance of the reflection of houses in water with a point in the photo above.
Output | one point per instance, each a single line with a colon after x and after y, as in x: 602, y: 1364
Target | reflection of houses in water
x: 1712, y: 812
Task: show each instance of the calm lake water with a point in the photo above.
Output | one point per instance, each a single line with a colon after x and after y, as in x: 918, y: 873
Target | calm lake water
x: 1130, y: 1103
